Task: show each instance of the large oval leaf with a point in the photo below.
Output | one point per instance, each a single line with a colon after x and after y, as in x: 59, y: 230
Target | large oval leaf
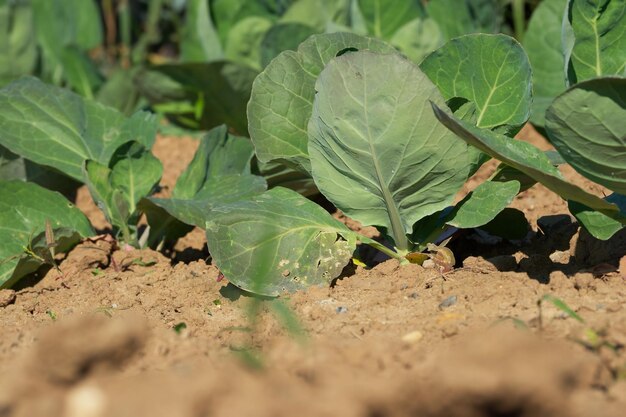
x: 377, y: 151
x: 55, y: 127
x: 491, y: 71
x: 586, y: 125
x: 595, y: 39
x: 278, y: 241
x: 542, y: 42
x: 282, y: 96
x: 24, y: 210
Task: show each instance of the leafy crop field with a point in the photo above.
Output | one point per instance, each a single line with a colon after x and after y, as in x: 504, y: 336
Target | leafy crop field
x: 313, y: 207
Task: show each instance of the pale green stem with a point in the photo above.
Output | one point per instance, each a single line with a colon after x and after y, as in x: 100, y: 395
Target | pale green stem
x: 384, y: 249
x: 519, y: 19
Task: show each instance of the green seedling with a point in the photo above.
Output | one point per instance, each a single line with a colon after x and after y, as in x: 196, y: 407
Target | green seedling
x: 178, y: 328
x: 248, y: 352
x: 107, y: 311
x: 51, y: 314
x: 141, y: 262
x: 518, y: 323
x: 249, y: 356
x: 593, y: 340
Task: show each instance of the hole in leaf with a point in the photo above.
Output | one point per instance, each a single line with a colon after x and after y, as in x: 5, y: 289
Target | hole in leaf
x: 346, y: 50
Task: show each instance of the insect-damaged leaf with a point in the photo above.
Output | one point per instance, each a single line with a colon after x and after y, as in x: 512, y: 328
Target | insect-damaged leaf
x: 24, y: 210
x: 278, y: 241
x: 282, y: 96
x: 377, y: 151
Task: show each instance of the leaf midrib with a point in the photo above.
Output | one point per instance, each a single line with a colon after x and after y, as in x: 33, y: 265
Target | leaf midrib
x: 397, y: 229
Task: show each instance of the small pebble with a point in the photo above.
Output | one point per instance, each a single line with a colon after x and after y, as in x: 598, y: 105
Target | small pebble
x: 341, y: 310
x: 560, y: 257
x: 85, y: 401
x: 6, y: 297
x: 450, y: 301
x: 412, y: 337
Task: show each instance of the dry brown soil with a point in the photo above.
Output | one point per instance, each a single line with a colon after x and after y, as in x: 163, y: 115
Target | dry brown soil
x: 100, y: 339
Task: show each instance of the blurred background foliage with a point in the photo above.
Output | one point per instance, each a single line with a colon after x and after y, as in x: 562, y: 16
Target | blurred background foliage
x: 193, y: 62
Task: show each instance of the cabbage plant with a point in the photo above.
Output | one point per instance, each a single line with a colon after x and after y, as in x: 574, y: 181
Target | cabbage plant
x: 87, y: 141
x: 355, y: 115
x: 586, y: 61
x: 110, y: 153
